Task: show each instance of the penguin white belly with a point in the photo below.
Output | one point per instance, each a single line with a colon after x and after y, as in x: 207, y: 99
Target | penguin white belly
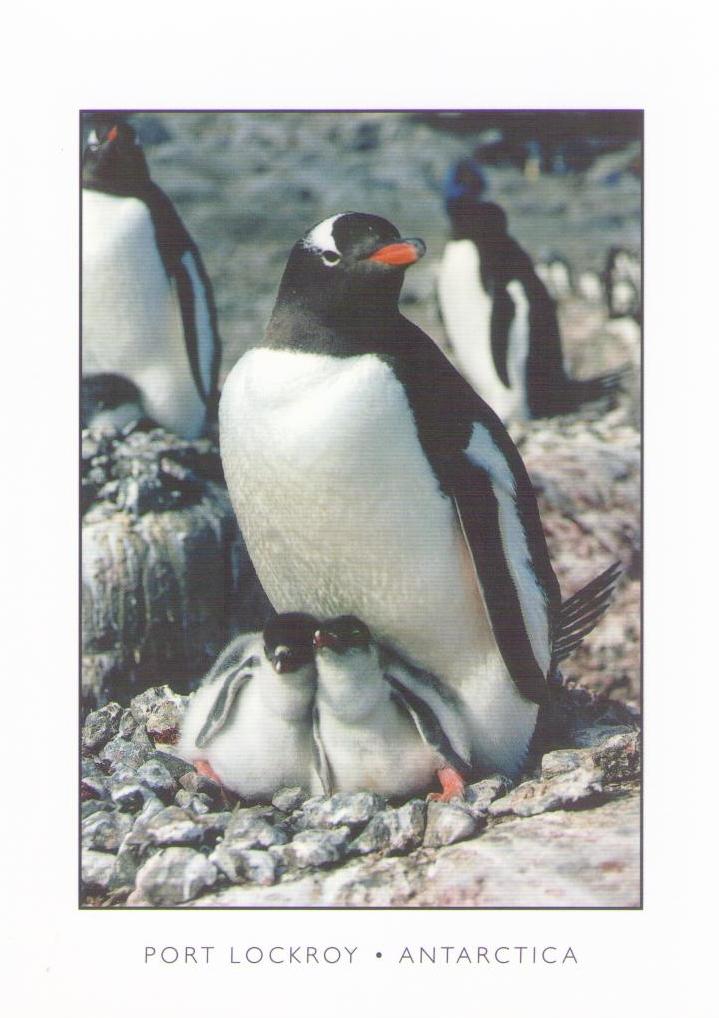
x: 384, y: 753
x: 467, y: 314
x: 256, y: 752
x: 131, y: 320
x: 342, y: 514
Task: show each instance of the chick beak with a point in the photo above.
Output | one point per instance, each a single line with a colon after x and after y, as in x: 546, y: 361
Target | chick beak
x: 324, y: 639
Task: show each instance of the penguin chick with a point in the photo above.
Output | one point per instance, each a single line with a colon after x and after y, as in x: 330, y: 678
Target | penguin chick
x: 249, y: 725
x: 111, y: 403
x: 380, y: 725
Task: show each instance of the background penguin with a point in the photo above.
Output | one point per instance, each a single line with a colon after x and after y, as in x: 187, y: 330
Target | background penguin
x: 502, y: 323
x: 148, y: 311
x: 249, y: 725
x: 623, y: 284
x: 370, y: 479
x: 111, y: 403
x: 380, y: 725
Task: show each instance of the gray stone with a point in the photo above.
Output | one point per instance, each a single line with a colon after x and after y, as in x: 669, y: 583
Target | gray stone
x: 172, y: 876
x: 199, y: 803
x: 248, y: 832
x: 174, y: 764
x: 287, y: 800
x: 241, y: 864
x: 155, y: 776
x: 90, y: 806
x: 121, y: 752
x: 478, y: 796
x: 100, y: 726
x: 448, y: 822
x: 128, y: 795
x: 393, y: 830
x: 105, y: 831
x: 96, y: 869
x: 313, y: 848
x: 128, y: 724
x: 163, y: 722
x: 143, y: 705
x: 94, y: 787
x: 174, y: 826
x: 350, y: 808
x: 200, y: 783
x: 619, y: 757
x: 580, y: 787
x: 562, y: 761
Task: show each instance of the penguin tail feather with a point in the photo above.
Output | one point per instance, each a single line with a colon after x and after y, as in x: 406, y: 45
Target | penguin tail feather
x: 601, y: 387
x: 580, y: 613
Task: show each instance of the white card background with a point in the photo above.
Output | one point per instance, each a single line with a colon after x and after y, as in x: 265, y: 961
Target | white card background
x: 62, y: 961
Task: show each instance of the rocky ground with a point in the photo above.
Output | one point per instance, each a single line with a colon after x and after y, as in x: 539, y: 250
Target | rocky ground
x: 155, y: 833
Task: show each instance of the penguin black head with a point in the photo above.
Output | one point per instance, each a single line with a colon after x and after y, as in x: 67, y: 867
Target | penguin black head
x: 349, y: 260
x: 288, y: 641
x: 113, y: 160
x: 477, y: 219
x: 342, y: 634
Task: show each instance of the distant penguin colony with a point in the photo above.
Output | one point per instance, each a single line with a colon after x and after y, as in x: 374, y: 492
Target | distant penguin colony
x: 370, y: 479
x: 502, y: 323
x: 148, y: 310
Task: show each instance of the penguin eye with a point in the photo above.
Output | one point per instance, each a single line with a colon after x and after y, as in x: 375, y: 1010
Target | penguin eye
x: 330, y: 257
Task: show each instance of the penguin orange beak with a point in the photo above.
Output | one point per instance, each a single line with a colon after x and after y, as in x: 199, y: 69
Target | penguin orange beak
x: 404, y: 252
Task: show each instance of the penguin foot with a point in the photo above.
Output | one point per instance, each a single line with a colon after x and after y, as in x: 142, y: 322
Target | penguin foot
x: 203, y: 767
x: 452, y: 784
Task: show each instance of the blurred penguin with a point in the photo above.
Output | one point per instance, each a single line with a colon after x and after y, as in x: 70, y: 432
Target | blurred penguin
x: 148, y: 310
x: 502, y: 323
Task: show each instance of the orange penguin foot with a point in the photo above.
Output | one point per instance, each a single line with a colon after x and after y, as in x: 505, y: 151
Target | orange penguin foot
x: 452, y: 784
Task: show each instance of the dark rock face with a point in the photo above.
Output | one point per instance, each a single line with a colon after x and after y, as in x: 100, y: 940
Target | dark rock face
x: 166, y: 579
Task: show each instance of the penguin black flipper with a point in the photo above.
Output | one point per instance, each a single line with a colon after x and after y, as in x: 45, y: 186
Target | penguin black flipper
x: 224, y: 702
x: 581, y: 613
x: 183, y: 263
x: 427, y: 724
x: 480, y: 469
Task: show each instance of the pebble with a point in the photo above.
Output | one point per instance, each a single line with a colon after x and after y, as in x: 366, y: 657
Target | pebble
x: 287, y: 800
x: 128, y: 795
x: 163, y: 723
x: 105, y: 831
x: 155, y: 776
x: 447, y: 823
x: 565, y: 791
x: 119, y: 752
x: 351, y: 808
x: 174, y: 764
x: 241, y: 864
x: 100, y: 726
x: 147, y: 702
x: 248, y: 832
x: 90, y: 806
x: 200, y: 783
x: 172, y: 876
x: 96, y: 869
x: 313, y: 848
x: 478, y: 796
x: 393, y: 830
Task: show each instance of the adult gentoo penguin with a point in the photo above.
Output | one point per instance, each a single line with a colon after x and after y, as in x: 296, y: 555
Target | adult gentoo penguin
x: 380, y: 725
x: 370, y: 479
x: 148, y: 311
x: 502, y: 323
x: 249, y: 725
